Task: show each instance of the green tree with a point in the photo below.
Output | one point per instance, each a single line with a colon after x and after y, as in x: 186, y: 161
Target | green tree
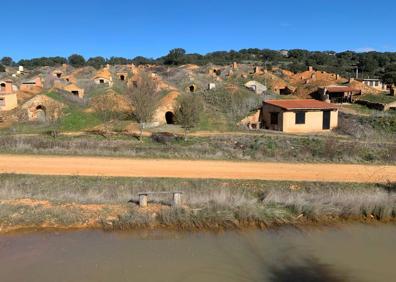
x: 368, y: 63
x: 389, y: 75
x: 139, y: 60
x: 96, y: 62
x: 175, y: 57
x: 76, y: 60
x: 118, y: 61
x: 188, y: 112
x: 42, y: 62
x: 7, y: 61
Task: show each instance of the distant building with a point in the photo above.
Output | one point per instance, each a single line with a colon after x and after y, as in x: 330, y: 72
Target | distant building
x: 70, y: 88
x: 211, y: 86
x: 286, y: 90
x: 375, y: 83
x: 122, y: 76
x: 255, y: 86
x: 74, y: 90
x: 284, y: 53
x: 42, y: 108
x: 306, y: 115
x: 104, y: 77
x: 8, y: 97
x: 6, y: 87
x: 57, y: 73
x: 31, y: 85
x: 338, y: 94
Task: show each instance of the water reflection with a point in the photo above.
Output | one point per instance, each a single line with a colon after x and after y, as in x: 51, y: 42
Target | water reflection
x: 365, y: 253
x: 306, y: 270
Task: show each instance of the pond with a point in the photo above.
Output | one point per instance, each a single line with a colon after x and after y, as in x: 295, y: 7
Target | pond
x: 348, y: 253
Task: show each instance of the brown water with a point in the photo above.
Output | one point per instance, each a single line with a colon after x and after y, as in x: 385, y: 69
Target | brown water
x: 353, y: 253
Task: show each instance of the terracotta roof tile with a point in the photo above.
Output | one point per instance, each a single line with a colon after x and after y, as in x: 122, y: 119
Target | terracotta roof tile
x: 333, y: 89
x: 305, y: 104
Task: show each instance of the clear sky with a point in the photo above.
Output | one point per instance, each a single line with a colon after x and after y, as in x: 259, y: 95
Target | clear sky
x: 152, y: 27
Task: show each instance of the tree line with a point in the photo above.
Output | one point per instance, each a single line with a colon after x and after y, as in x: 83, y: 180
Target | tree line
x: 368, y: 64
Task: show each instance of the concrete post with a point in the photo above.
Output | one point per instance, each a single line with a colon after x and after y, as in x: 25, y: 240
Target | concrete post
x: 143, y: 200
x: 177, y: 199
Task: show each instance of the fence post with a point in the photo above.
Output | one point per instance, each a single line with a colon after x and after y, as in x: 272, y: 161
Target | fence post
x: 143, y: 200
x: 177, y: 199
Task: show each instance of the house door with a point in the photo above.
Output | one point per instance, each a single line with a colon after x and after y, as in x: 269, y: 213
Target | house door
x: 41, y: 116
x: 326, y: 119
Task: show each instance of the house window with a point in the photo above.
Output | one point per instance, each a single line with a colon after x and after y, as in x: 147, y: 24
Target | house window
x: 300, y: 117
x: 274, y: 118
x: 376, y: 83
x: 2, y: 102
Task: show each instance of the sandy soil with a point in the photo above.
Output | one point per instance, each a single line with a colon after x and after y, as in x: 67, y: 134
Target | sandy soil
x: 123, y: 167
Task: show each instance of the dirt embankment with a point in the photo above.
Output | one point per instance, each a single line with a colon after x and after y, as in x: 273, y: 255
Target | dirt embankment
x: 123, y: 167
x: 39, y: 215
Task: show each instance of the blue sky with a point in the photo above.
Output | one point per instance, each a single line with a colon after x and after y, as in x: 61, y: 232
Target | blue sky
x: 151, y: 28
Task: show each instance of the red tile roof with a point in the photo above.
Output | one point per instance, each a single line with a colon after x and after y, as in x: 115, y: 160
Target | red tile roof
x: 336, y: 89
x: 305, y: 104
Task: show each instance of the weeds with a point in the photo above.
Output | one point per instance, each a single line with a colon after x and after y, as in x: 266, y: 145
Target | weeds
x: 207, y: 204
x: 255, y: 148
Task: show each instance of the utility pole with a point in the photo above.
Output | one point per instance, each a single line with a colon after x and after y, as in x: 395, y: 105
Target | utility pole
x: 265, y: 78
x: 265, y: 72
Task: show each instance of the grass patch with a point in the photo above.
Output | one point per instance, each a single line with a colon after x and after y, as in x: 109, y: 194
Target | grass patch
x: 379, y: 127
x: 381, y: 98
x: 246, y: 148
x: 57, y: 97
x: 76, y: 119
x: 207, y: 204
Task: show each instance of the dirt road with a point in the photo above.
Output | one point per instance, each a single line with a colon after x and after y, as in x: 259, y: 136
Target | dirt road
x: 123, y: 167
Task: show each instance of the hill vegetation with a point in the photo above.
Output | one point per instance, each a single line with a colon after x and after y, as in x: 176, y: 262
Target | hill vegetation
x: 369, y: 64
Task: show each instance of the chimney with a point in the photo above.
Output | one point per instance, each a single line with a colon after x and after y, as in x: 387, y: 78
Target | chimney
x: 38, y: 82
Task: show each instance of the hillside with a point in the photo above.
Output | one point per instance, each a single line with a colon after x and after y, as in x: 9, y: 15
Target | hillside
x: 93, y: 99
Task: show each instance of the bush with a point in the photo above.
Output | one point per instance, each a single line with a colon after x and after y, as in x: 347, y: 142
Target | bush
x: 164, y: 137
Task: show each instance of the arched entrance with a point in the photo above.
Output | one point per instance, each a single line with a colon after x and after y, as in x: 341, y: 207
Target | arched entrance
x: 2, y: 86
x: 170, y: 118
x: 192, y: 88
x: 122, y: 77
x: 40, y: 114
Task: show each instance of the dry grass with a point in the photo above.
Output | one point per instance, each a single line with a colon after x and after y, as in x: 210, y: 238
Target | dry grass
x: 257, y: 148
x: 377, y: 202
x: 207, y: 204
